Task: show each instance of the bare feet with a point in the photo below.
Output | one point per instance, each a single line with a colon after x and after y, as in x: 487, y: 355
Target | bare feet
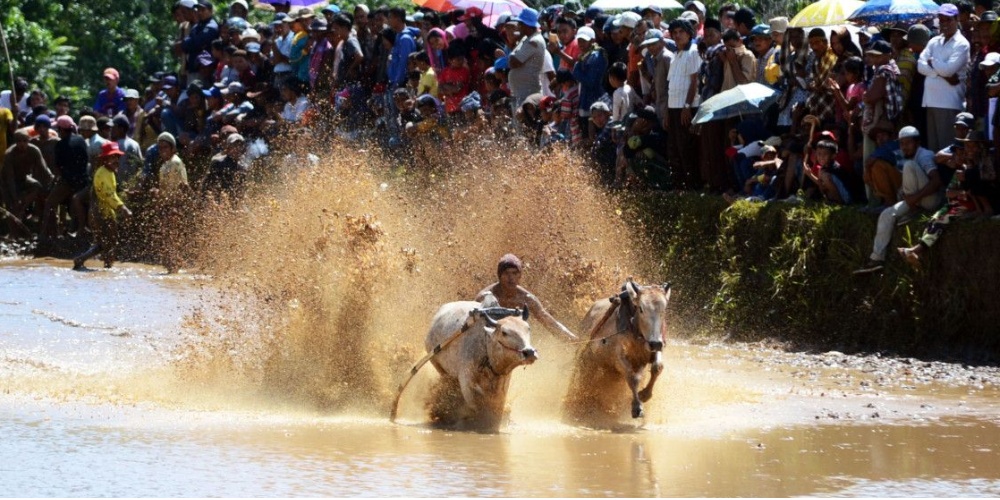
x: 911, y: 257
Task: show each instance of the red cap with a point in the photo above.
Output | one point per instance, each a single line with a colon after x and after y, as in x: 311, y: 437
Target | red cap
x: 470, y: 13
x: 110, y: 148
x: 112, y: 72
x: 548, y: 103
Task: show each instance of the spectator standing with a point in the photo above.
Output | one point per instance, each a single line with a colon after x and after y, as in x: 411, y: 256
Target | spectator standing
x: 299, y: 53
x: 589, y: 71
x: 199, y: 38
x: 944, y: 62
x: 71, y: 170
x: 740, y: 66
x: 714, y: 164
x: 682, y: 105
x: 527, y: 58
x: 564, y: 45
x: 820, y: 102
x: 917, y: 37
x: 131, y: 159
x: 281, y: 50
x: 19, y: 186
x: 111, y: 100
x: 403, y: 45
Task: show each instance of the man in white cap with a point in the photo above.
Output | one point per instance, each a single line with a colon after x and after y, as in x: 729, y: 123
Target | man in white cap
x: 921, y: 190
x: 699, y: 9
x: 944, y: 62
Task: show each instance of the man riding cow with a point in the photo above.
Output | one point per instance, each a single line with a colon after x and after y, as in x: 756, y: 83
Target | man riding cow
x: 510, y: 294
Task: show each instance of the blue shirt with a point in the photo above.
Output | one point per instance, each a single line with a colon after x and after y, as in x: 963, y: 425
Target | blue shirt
x: 589, y: 71
x: 398, y: 58
x: 110, y: 105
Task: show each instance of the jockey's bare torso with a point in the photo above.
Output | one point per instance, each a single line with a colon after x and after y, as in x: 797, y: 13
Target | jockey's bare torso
x: 509, y: 293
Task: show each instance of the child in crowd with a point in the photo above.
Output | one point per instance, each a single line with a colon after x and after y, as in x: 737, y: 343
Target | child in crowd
x: 569, y: 106
x: 428, y: 83
x: 453, y: 82
x: 625, y: 99
x: 827, y: 175
x: 106, y: 207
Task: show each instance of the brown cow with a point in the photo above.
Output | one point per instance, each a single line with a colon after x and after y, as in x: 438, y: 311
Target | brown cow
x: 630, y: 329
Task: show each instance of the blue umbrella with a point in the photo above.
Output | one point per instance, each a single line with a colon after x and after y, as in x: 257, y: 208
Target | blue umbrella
x: 894, y: 11
x: 297, y: 3
x: 746, y: 99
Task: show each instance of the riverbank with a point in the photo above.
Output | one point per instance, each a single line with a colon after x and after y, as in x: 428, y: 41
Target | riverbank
x: 777, y: 271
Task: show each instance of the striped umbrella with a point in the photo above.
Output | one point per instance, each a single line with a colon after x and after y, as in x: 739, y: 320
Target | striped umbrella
x: 894, y: 11
x: 825, y: 13
x: 492, y: 9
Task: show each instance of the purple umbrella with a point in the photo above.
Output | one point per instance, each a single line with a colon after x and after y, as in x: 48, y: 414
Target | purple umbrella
x: 295, y: 3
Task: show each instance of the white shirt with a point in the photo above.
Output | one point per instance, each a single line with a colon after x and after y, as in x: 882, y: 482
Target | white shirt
x: 22, y: 105
x: 293, y: 112
x: 939, y: 60
x: 284, y: 46
x: 543, y: 77
x: 623, y: 103
x: 685, y: 64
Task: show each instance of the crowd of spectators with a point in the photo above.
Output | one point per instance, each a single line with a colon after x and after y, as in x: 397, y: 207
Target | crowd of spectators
x: 897, y: 120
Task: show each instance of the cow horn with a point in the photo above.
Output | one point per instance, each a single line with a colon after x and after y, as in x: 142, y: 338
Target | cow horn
x: 492, y: 323
x: 524, y: 312
x: 666, y: 286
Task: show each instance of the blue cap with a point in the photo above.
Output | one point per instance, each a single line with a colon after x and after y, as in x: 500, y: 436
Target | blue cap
x: 528, y: 17
x: 500, y: 64
x: 212, y: 91
x: 593, y: 12
x: 761, y: 30
x: 333, y: 9
x: 253, y: 47
x: 43, y: 120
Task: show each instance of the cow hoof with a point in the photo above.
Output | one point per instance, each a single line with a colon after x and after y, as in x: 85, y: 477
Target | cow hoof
x: 645, y: 395
x: 637, y: 410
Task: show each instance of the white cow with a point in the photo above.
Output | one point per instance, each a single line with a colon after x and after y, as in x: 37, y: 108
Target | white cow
x: 475, y: 369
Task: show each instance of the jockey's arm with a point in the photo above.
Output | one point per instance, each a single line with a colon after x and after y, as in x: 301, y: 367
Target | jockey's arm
x: 538, y: 311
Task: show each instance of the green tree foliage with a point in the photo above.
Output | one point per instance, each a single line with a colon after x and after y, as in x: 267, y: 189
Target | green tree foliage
x: 63, y: 46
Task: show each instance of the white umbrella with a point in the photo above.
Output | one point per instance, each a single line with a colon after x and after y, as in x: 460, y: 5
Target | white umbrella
x: 631, y: 4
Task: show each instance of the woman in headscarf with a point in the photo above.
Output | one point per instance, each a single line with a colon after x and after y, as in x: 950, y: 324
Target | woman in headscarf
x: 437, y: 47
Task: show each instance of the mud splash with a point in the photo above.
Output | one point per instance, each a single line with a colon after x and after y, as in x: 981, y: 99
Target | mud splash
x: 333, y: 273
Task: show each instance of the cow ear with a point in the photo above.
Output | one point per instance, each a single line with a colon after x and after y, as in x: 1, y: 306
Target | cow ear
x: 632, y: 289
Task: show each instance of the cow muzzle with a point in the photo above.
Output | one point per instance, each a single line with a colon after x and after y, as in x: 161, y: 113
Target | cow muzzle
x: 530, y: 354
x: 655, y: 345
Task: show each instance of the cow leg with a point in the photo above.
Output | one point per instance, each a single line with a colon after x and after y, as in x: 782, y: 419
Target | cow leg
x: 633, y: 380
x: 469, y: 391
x: 655, y: 369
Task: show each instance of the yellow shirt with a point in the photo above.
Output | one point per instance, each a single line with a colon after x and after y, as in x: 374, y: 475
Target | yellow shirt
x: 106, y: 192
x: 173, y: 175
x: 428, y: 83
x: 6, y: 119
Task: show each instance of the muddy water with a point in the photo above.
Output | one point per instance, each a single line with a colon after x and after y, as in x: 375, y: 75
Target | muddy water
x: 95, y: 401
